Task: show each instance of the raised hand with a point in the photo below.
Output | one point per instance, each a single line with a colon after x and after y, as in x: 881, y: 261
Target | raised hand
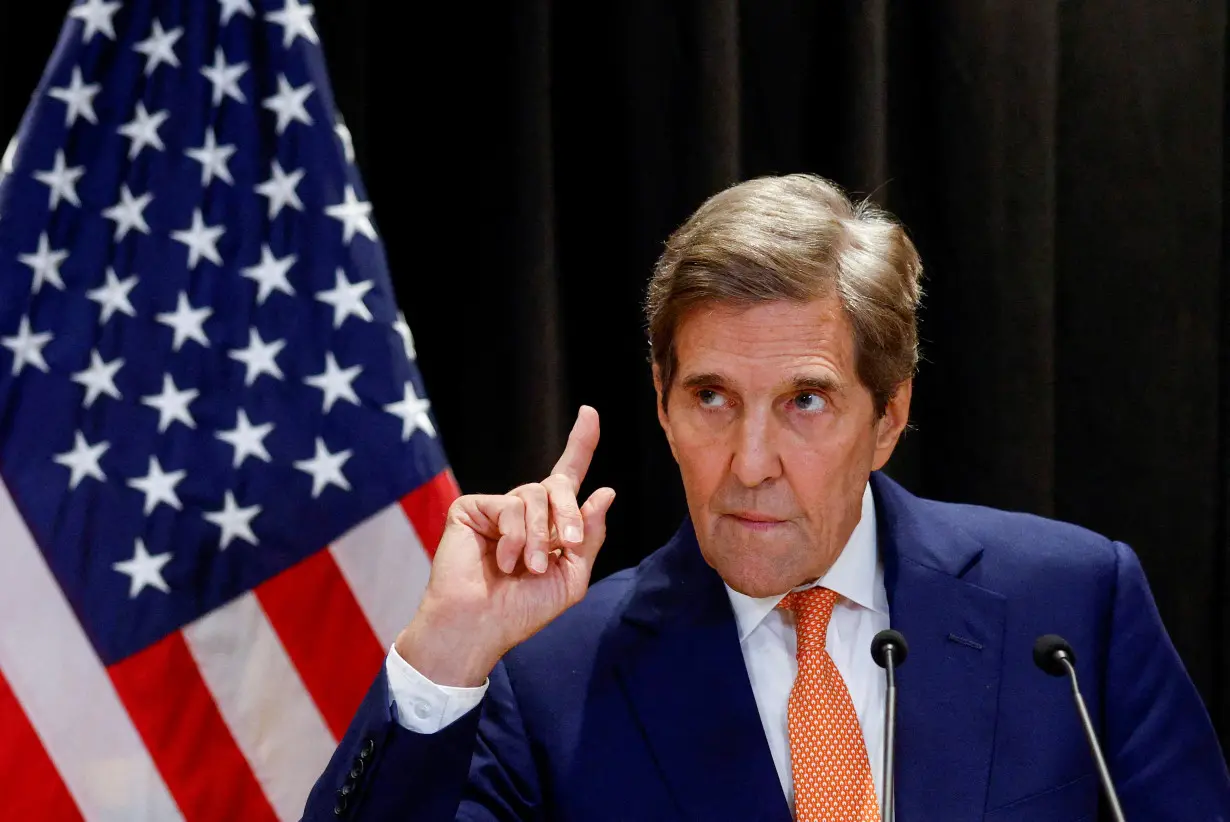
x: 507, y: 565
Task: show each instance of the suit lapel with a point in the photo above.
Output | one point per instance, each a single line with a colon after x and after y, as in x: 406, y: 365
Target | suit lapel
x: 948, y: 690
x: 684, y: 674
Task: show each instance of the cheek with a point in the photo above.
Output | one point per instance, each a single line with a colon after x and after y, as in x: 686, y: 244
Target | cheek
x: 819, y: 467
x: 703, y: 461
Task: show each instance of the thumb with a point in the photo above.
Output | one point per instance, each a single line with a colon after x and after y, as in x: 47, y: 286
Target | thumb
x: 593, y: 512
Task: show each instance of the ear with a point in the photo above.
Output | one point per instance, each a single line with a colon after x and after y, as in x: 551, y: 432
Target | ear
x: 663, y: 419
x: 890, y: 426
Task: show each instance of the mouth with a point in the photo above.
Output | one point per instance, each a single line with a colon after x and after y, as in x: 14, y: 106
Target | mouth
x: 755, y: 521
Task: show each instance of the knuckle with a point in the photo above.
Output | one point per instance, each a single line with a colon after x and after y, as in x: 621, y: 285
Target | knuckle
x: 531, y: 492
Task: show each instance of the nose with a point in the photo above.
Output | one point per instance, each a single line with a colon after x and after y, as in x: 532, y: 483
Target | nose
x: 756, y: 458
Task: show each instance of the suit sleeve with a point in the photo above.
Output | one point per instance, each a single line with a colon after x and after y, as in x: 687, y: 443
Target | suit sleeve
x: 1161, y: 748
x: 478, y: 768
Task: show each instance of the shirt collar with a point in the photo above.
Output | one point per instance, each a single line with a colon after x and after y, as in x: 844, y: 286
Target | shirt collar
x: 857, y: 575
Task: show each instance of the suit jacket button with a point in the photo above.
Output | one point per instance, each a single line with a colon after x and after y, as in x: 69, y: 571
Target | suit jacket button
x: 340, y: 807
x: 368, y: 748
x: 357, y: 770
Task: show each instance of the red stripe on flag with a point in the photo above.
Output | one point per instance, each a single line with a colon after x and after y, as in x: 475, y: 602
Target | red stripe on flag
x: 427, y: 506
x: 30, y: 785
x: 325, y: 634
x: 176, y: 716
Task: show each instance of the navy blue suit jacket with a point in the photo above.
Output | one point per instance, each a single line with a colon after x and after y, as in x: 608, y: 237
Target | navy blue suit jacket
x: 635, y: 704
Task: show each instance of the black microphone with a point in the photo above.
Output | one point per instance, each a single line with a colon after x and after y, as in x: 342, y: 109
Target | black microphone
x: 1055, y: 656
x: 889, y: 650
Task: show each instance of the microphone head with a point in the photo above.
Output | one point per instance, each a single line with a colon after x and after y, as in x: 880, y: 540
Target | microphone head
x: 1049, y: 650
x: 881, y: 643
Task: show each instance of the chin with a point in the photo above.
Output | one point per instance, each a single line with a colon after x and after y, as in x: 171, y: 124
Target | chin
x: 757, y: 564
x: 756, y: 578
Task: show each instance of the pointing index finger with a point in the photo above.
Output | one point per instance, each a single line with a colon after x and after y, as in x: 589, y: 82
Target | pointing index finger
x: 582, y: 440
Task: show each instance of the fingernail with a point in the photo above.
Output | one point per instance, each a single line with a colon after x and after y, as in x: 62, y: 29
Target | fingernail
x: 573, y: 534
x: 538, y: 562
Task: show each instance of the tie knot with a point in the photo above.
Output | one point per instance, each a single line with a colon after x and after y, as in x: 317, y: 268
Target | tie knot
x: 812, y: 610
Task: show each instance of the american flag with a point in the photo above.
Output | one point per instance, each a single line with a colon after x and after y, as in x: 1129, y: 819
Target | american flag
x: 221, y: 475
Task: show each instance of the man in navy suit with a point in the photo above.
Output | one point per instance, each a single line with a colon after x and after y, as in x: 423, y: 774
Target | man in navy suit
x: 728, y: 676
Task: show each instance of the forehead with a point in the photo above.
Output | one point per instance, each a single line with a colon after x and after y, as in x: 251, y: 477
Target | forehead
x: 763, y: 340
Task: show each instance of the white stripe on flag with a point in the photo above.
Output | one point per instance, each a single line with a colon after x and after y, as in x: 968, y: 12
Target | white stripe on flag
x: 263, y: 701
x: 65, y: 690
x: 383, y: 562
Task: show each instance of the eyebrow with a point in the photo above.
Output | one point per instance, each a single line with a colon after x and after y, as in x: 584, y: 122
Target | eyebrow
x: 702, y: 380
x: 822, y: 384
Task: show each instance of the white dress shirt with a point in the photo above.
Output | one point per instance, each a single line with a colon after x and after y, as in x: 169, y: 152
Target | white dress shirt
x: 767, y: 639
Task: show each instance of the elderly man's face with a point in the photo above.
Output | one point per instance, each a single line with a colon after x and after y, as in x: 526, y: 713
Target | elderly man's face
x: 775, y: 437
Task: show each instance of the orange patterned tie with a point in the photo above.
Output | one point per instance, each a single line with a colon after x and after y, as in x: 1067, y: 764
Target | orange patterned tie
x: 832, y: 777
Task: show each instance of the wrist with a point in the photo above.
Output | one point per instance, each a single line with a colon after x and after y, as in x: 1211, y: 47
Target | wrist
x: 447, y: 651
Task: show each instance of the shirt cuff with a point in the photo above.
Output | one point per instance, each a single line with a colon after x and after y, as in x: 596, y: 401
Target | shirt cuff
x: 421, y: 705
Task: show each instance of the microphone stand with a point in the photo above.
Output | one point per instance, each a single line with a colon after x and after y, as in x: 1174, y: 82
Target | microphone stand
x: 1108, y: 787
x: 887, y: 804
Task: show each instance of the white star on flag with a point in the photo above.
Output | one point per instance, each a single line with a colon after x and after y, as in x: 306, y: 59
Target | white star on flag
x: 172, y: 404
x: 6, y: 162
x: 335, y: 382
x: 27, y: 347
x: 346, y: 298
x: 213, y: 159
x: 259, y: 357
x: 128, y: 213
x: 202, y: 240
x: 142, y: 129
x: 79, y: 97
x: 354, y: 214
x: 96, y: 15
x: 99, y: 378
x: 289, y: 103
x: 187, y: 322
x: 61, y: 181
x: 144, y: 571
x: 159, y: 486
x: 270, y: 274
x: 407, y: 339
x: 82, y: 460
x: 45, y: 263
x: 343, y: 134
x: 413, y: 412
x: 232, y: 7
x: 280, y: 189
x: 296, y: 21
x: 113, y: 296
x: 225, y: 78
x: 325, y: 468
x: 234, y: 521
x: 247, y: 439
x: 159, y: 47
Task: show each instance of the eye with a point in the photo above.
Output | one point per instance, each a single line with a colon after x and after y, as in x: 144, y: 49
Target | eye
x: 810, y: 402
x: 708, y: 398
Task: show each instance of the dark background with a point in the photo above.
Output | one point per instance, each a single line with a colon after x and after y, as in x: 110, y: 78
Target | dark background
x: 1061, y: 166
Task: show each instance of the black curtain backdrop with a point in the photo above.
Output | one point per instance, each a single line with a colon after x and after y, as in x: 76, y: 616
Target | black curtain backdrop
x: 1061, y: 166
